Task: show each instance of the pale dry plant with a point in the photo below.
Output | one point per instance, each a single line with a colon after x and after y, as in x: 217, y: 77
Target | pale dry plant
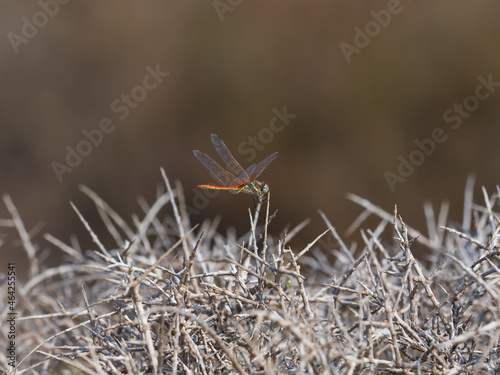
x: 172, y: 297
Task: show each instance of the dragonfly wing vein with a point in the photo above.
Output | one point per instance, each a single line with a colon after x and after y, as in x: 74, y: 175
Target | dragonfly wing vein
x: 220, y: 174
x: 259, y: 168
x: 226, y: 155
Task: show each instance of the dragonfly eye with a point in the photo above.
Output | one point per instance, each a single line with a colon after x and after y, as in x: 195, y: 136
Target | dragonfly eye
x: 264, y: 189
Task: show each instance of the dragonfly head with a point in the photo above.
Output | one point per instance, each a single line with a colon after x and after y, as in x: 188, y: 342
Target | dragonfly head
x: 263, y: 191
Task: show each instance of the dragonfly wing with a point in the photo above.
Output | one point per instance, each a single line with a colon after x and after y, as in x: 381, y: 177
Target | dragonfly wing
x: 250, y: 169
x: 228, y: 158
x: 223, y: 176
x: 243, y: 177
x: 235, y: 191
x: 259, y: 168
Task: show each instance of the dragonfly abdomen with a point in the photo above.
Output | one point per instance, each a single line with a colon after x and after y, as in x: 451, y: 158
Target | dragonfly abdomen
x: 232, y: 189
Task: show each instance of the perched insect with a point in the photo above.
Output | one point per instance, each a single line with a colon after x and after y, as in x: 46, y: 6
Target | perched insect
x: 241, y: 180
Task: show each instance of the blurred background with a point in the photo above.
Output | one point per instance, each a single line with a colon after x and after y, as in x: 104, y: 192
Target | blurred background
x: 344, y: 91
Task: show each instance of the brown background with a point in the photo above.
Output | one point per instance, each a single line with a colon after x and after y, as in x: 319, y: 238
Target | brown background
x: 227, y: 72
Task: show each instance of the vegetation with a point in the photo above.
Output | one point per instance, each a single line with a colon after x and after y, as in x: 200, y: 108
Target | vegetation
x: 170, y: 297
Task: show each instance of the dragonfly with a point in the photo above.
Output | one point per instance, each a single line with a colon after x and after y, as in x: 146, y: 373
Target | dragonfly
x: 239, y: 179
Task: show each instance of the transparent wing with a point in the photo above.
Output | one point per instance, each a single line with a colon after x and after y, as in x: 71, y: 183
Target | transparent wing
x: 254, y: 171
x: 220, y: 174
x: 223, y: 176
x: 228, y: 158
x: 249, y: 170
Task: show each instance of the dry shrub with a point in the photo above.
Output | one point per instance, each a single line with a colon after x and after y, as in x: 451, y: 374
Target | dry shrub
x: 172, y: 298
